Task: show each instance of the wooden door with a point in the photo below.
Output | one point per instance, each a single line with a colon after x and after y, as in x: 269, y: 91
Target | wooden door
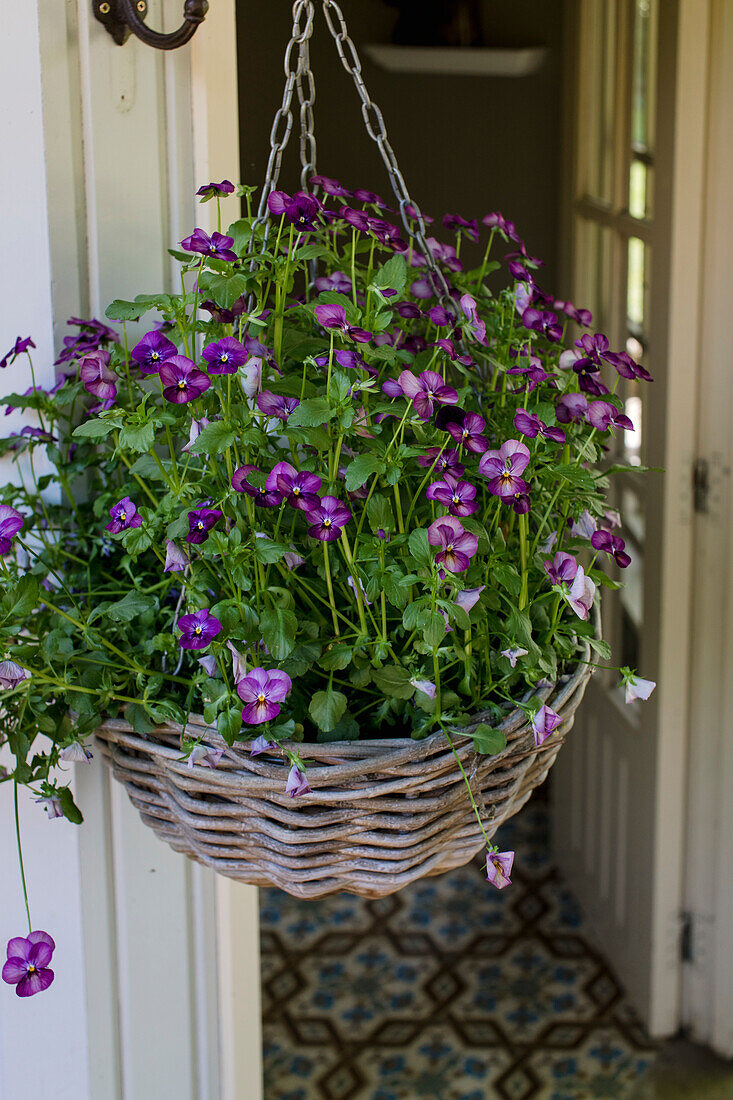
x: 634, y: 214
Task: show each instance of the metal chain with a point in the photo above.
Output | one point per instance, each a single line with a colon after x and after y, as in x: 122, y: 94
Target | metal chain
x: 306, y: 98
x: 375, y: 127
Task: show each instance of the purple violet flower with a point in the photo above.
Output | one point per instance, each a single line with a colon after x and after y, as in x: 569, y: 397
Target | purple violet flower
x: 274, y: 404
x: 205, y: 755
x: 334, y: 316
x: 497, y: 220
x: 457, y: 546
x: 637, y: 687
x: 51, y: 804
x: 584, y: 527
x: 197, y: 629
x: 262, y: 496
x: 475, y: 325
x: 544, y: 321
x: 469, y: 433
x: 462, y: 225
x: 211, y: 190
x: 297, y: 783
x: 261, y: 744
x: 300, y: 209
x: 335, y: 281
x: 581, y: 594
x: 529, y: 424
x: 225, y: 356
x: 571, y: 408
x: 217, y: 245
x: 262, y: 691
x: 503, y: 467
x: 200, y: 523
x: 176, y: 559
x: 12, y: 674
x: 447, y: 462
x: 125, y: 516
x: 513, y: 655
x: 27, y: 963
x: 603, y: 416
x: 612, y: 545
x: 299, y: 487
x: 17, y: 349
x: 152, y: 351
x: 327, y: 519
x: 330, y: 186
x: 11, y: 522
x: 182, y: 380
x: 97, y: 377
x: 468, y: 598
x: 499, y: 866
x: 562, y: 568
x: 544, y: 723
x: 425, y: 391
x: 457, y: 496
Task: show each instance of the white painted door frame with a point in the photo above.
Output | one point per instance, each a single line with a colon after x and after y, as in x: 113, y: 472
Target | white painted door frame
x: 157, y: 988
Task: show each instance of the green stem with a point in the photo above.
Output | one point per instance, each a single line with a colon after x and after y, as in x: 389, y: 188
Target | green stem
x: 20, y: 854
x: 329, y: 585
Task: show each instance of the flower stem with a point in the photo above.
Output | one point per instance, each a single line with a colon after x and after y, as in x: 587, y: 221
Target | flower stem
x: 468, y: 787
x: 329, y: 585
x: 20, y: 854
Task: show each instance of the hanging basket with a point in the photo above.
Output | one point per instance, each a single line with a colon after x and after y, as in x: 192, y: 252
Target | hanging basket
x: 380, y: 814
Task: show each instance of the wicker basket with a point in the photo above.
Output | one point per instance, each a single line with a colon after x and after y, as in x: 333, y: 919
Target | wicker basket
x: 381, y: 813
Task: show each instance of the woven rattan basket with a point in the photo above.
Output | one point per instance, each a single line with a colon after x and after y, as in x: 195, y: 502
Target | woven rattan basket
x: 381, y: 813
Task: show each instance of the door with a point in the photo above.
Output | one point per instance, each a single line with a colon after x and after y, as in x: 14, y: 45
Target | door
x: 633, y: 217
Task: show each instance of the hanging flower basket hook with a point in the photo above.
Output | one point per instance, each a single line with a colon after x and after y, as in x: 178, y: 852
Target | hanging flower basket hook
x: 120, y: 17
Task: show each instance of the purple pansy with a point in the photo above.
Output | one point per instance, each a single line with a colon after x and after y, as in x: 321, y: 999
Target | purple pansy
x: 12, y: 674
x: 441, y: 317
x: 544, y: 723
x: 27, y: 963
x: 348, y: 358
x: 297, y: 783
x: 334, y: 317
x: 475, y: 325
x: 581, y: 594
x: 422, y: 289
x: 513, y: 655
x: 357, y: 219
x: 503, y: 467
x: 462, y: 225
x: 204, y: 754
x: 76, y: 753
x: 182, y: 380
x: 300, y: 209
x: 637, y: 687
x: 496, y: 220
x: 217, y: 245
x: 335, y: 281
x: 261, y: 744
x: 11, y: 522
x: 612, y: 545
x: 197, y: 629
x: 213, y: 190
x: 200, y: 523
x: 603, y: 416
x: 152, y: 351
x: 544, y: 321
x: 626, y: 366
x: 584, y: 526
x: 17, y: 349
x: 469, y: 433
x: 371, y: 198
x: 447, y: 461
x: 452, y: 352
x: 529, y: 424
x: 298, y: 487
x: 97, y: 377
x: 225, y: 356
x: 562, y: 568
x: 262, y: 691
x: 498, y: 868
x: 425, y: 391
x: 327, y: 518
x: 457, y: 546
x: 571, y: 408
x: 176, y: 559
x: 125, y: 516
x: 262, y: 496
x: 468, y: 598
x: 459, y: 497
x: 329, y: 185
x: 274, y: 404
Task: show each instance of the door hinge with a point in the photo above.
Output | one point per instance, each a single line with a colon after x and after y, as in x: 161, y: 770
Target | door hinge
x: 701, y: 485
x: 686, y: 937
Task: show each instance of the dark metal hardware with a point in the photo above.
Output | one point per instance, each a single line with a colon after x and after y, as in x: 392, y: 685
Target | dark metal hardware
x: 687, y: 952
x: 120, y: 17
x: 701, y: 485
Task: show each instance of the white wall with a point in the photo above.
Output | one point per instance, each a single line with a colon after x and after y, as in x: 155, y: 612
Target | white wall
x: 102, y: 148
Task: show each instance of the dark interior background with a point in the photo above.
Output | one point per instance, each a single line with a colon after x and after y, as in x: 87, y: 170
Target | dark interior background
x: 466, y: 144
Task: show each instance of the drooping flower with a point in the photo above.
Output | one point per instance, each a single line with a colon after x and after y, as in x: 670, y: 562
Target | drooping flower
x: 603, y: 416
x: 92, y: 334
x: 496, y: 220
x: 459, y: 497
x: 327, y: 519
x: 571, y: 408
x: 544, y: 723
x: 513, y: 655
x: 613, y: 545
x: 217, y: 245
x: 274, y: 404
x: 452, y: 352
x: 334, y: 317
x: 299, y: 487
x: 300, y: 209
x: 76, y: 753
x: 27, y: 963
x: 468, y: 598
x: 97, y: 377
x: 498, y: 868
x: 262, y: 496
x: 443, y: 462
x: 250, y: 376
x: 261, y: 744
x: 12, y: 674
x: 580, y: 316
x: 208, y: 664
x: 636, y: 686
x: 329, y: 185
x: 176, y: 559
x: 457, y: 546
x: 51, y: 803
x: 425, y: 391
x: 225, y: 356
x: 475, y: 325
x: 357, y: 219
x: 11, y: 522
x: 422, y: 289
x: 626, y: 366
x: 371, y: 198
x: 562, y: 568
x: 426, y: 687
x: 362, y: 589
x: 212, y: 190
x: 205, y: 755
x: 584, y: 526
x: 262, y: 691
x: 462, y: 225
x: 200, y: 523
x: 544, y: 321
x: 529, y: 424
x: 124, y: 515
x: 297, y: 783
x: 182, y: 380
x: 152, y: 351
x: 469, y: 433
x: 197, y: 426
x: 348, y: 358
x: 581, y: 594
x: 337, y: 281
x: 17, y: 349
x: 503, y: 467
x: 293, y: 560
x: 197, y: 629
x: 589, y: 379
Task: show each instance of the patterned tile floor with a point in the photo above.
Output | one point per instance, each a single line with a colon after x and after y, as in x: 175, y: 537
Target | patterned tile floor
x: 448, y: 990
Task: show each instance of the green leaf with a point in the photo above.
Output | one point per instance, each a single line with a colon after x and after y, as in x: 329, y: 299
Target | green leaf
x: 129, y: 607
x: 310, y: 413
x: 268, y: 551
x: 278, y: 631
x: 380, y: 515
x: 434, y: 629
x: 216, y: 438
x: 146, y: 466
x: 600, y: 647
x: 94, y: 429
x: 136, y: 541
x: 226, y: 289
x: 420, y: 548
x: 361, y: 469
x: 488, y: 741
x: 70, y: 809
x: 576, y: 475
x: 347, y: 729
x: 138, y: 719
x: 336, y: 656
x: 120, y: 310
x: 327, y: 708
x: 508, y: 578
x: 394, y: 680
x: 20, y: 600
x: 138, y: 437
x: 229, y: 723
x: 392, y: 274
